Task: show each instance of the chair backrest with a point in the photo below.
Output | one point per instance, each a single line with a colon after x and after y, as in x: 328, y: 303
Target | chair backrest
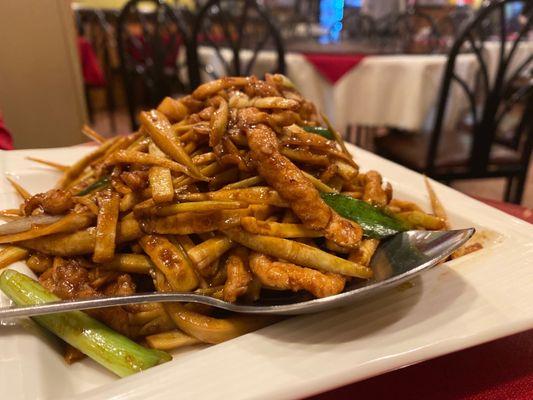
x: 451, y: 24
x: 358, y: 26
x: 95, y: 27
x: 301, y: 21
x: 497, y: 93
x: 459, y: 16
x: 416, y: 31
x: 233, y: 32
x: 310, y: 9
x: 150, y: 35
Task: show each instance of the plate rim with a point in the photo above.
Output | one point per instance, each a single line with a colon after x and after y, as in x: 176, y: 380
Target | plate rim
x: 325, y: 383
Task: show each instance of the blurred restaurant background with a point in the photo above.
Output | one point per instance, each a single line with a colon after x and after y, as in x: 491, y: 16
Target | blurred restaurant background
x: 444, y: 87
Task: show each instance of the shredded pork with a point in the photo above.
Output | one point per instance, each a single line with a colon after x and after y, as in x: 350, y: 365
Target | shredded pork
x: 297, y: 190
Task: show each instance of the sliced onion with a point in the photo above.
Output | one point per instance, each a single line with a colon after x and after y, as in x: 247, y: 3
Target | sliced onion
x: 25, y: 224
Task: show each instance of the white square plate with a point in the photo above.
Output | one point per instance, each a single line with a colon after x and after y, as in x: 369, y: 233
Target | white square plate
x: 465, y: 302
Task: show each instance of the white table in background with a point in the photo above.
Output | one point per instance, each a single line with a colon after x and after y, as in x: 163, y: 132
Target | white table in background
x: 383, y: 90
x: 523, y: 51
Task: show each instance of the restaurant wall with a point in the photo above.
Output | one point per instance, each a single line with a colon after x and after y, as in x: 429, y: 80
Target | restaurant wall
x: 41, y: 92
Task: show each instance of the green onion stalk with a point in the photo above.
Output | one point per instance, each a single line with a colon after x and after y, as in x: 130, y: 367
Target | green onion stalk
x: 98, y: 184
x: 318, y: 130
x: 105, y: 346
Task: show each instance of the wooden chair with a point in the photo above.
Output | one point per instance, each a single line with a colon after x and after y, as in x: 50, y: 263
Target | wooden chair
x: 93, y: 25
x: 149, y: 42
x: 229, y: 29
x: 452, y: 155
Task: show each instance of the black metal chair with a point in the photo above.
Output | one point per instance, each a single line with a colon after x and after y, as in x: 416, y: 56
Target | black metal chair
x: 300, y: 20
x: 358, y: 26
x: 149, y: 42
x: 450, y: 25
x: 94, y: 26
x: 229, y: 28
x: 452, y: 155
x: 412, y: 32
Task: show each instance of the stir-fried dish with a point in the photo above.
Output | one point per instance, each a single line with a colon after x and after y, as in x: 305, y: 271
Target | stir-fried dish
x: 237, y: 190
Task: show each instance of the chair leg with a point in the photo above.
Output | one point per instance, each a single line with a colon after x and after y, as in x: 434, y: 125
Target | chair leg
x: 88, y: 102
x: 111, y: 106
x: 360, y: 133
x: 364, y: 141
x: 348, y: 134
x: 131, y: 111
x: 352, y: 134
x: 356, y: 131
x: 130, y: 102
x: 369, y: 139
x: 519, y: 184
x: 508, y: 189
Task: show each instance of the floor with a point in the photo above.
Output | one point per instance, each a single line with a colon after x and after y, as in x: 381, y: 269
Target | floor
x: 486, y: 188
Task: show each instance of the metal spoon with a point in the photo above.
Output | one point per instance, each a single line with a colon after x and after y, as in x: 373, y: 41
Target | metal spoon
x: 396, y: 260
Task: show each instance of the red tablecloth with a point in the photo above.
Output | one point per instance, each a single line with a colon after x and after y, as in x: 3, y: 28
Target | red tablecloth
x: 334, y: 66
x: 6, y: 140
x: 499, y: 370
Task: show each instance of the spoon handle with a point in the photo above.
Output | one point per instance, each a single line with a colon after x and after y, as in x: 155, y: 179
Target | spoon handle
x: 108, y: 301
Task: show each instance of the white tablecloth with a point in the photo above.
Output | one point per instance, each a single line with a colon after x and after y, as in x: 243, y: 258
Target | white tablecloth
x: 397, y: 91
x: 492, y: 53
x: 390, y: 90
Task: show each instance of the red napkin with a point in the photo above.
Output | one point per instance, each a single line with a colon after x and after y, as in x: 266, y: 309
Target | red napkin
x: 92, y: 72
x: 6, y: 140
x: 334, y: 66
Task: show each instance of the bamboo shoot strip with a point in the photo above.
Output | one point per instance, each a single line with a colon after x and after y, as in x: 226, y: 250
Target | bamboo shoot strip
x: 436, y: 205
x: 92, y: 134
x: 160, y: 131
x: 12, y: 254
x: 20, y: 190
x: 299, y: 254
x: 106, y: 226
x: 52, y: 164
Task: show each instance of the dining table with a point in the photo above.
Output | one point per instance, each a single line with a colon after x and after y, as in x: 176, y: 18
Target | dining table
x: 360, y: 83
x: 497, y: 370
x: 369, y: 84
